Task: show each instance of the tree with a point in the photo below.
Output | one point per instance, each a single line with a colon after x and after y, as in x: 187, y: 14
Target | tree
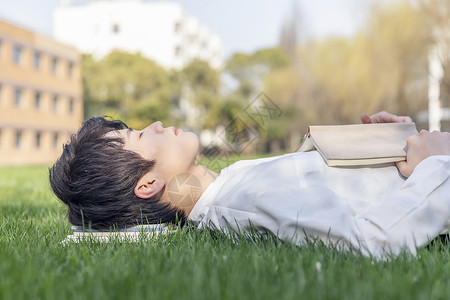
x: 334, y: 80
x: 400, y: 41
x: 250, y: 69
x: 200, y: 88
x: 289, y: 36
x: 437, y: 17
x: 203, y: 81
x: 382, y: 67
x: 285, y: 85
x: 126, y: 86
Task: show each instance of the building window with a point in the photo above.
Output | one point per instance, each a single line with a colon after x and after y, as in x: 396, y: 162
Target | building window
x: 115, y: 28
x: 17, y: 54
x: 177, y: 51
x: 177, y: 27
x: 38, y: 140
x: 18, y: 142
x: 37, y: 100
x: 69, y: 69
x: 37, y: 60
x: 55, y: 103
x: 71, y: 105
x: 54, y: 65
x: 18, y: 97
x: 55, y: 141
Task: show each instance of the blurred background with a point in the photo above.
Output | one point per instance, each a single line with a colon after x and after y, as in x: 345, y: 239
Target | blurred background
x: 200, y: 65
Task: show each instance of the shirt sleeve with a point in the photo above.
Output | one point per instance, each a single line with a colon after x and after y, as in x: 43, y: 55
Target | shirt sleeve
x: 411, y: 216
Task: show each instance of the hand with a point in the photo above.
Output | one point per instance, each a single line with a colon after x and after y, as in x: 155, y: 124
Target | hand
x: 421, y: 146
x: 384, y: 117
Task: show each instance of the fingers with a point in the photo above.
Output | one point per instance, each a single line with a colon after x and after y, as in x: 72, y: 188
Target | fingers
x: 404, y: 168
x: 421, y: 146
x: 405, y: 119
x: 384, y: 117
x: 423, y: 132
x: 365, y: 119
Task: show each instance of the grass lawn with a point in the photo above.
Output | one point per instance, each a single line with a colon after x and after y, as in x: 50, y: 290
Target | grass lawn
x: 188, y: 264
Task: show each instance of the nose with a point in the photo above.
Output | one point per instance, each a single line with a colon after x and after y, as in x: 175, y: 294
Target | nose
x: 157, y: 127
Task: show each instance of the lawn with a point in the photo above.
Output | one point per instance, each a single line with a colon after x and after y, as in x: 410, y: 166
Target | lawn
x: 188, y: 264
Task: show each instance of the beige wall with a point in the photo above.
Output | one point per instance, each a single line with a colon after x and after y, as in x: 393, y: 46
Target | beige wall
x: 32, y: 132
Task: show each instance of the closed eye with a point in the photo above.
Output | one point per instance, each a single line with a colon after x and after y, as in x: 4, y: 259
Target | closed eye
x: 140, y: 135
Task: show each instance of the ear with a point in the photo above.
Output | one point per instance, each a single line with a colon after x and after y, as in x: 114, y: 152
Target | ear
x: 148, y: 186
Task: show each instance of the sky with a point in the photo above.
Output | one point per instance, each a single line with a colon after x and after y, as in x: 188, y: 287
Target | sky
x: 243, y: 25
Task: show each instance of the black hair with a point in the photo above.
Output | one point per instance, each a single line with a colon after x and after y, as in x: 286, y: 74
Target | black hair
x: 95, y: 177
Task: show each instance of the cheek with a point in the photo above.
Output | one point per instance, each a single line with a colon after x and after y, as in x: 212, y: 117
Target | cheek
x: 186, y: 147
x: 148, y: 149
x: 181, y: 149
x: 145, y: 153
x: 192, y: 142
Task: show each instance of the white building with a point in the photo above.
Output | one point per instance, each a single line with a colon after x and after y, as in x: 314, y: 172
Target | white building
x: 159, y: 30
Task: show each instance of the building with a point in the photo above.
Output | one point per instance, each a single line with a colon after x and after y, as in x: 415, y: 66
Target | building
x: 40, y: 96
x: 159, y: 30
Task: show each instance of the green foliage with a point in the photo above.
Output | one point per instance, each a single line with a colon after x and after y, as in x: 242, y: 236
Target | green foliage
x: 437, y: 18
x: 400, y: 31
x: 334, y: 80
x: 226, y: 110
x: 200, y: 76
x: 330, y: 81
x: 244, y: 66
x: 383, y: 67
x: 134, y: 88
x: 274, y: 58
x: 238, y: 64
x: 149, y: 109
x: 188, y: 264
x: 250, y: 69
x: 201, y: 85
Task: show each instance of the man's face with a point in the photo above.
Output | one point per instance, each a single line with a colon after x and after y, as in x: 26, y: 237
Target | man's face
x: 174, y: 150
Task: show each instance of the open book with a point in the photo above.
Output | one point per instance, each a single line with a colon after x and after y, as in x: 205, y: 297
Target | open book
x: 361, y: 144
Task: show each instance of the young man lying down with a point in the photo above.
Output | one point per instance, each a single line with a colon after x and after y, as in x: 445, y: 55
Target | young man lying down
x: 111, y: 176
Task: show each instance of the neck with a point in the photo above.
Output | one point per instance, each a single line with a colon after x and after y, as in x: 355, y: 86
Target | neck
x: 184, y: 190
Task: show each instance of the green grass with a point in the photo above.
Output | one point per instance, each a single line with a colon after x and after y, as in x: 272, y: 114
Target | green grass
x: 188, y: 264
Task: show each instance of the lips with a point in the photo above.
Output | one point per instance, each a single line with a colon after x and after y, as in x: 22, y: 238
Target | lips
x: 175, y: 130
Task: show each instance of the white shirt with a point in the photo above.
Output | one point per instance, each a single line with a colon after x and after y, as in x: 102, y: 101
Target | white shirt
x: 297, y: 196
